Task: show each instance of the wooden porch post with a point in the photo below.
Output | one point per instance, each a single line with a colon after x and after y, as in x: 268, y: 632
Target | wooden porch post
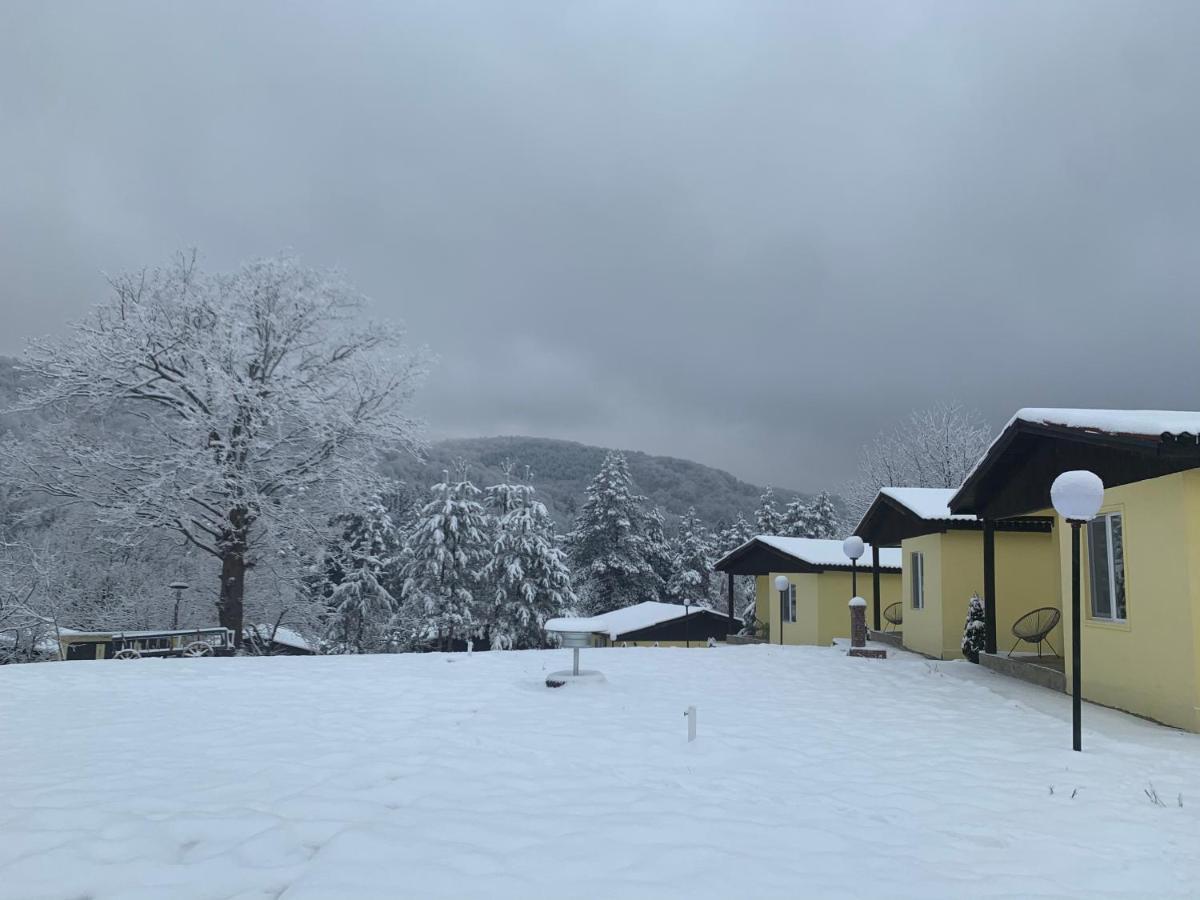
x: 729, y: 594
x: 875, y: 580
x: 989, y: 585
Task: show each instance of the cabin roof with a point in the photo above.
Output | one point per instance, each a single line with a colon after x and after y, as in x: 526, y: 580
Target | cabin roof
x: 1014, y: 475
x: 930, y: 504
x: 767, y: 553
x: 627, y: 619
x: 899, y: 513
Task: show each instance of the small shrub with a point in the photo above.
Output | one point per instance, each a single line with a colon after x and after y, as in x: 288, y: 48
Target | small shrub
x: 974, y: 630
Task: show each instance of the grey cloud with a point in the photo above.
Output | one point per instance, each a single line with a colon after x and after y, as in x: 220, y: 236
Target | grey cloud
x: 750, y: 234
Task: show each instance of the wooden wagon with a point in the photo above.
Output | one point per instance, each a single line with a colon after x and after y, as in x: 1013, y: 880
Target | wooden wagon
x: 145, y: 644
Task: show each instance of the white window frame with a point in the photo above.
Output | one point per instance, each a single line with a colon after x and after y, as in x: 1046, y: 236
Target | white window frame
x: 917, y: 579
x: 1106, y: 518
x: 788, y: 612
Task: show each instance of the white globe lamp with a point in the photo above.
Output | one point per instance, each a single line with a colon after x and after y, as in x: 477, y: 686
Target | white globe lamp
x: 1077, y: 497
x: 853, y: 548
x: 783, y: 586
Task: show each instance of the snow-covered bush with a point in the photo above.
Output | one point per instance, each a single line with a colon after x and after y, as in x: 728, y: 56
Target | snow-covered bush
x: 974, y: 630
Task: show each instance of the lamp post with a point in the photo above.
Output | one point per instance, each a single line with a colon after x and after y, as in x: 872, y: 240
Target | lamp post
x: 853, y: 547
x: 1077, y: 496
x: 783, y: 586
x: 178, y: 587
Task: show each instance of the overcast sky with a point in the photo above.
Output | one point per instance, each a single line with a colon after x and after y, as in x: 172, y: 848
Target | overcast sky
x: 750, y: 234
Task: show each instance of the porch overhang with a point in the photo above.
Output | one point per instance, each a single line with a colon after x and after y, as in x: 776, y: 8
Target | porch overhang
x: 757, y: 558
x: 1013, y: 478
x: 888, y: 522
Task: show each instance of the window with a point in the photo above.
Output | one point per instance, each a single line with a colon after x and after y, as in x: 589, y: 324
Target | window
x: 789, y: 604
x: 917, y: 577
x: 1106, y: 566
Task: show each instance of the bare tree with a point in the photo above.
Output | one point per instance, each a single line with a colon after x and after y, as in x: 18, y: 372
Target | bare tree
x: 234, y: 409
x: 935, y: 447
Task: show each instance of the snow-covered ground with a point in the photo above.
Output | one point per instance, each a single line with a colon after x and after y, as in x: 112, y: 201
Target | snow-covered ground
x: 437, y: 775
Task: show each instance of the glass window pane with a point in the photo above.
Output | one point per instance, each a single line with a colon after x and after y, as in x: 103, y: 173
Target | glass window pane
x: 1117, y: 550
x: 1097, y: 535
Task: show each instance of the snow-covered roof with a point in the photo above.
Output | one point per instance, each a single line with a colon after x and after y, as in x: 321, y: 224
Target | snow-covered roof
x: 631, y: 618
x: 1146, y: 422
x: 1129, y: 422
x: 283, y: 636
x: 826, y: 552
x: 930, y: 504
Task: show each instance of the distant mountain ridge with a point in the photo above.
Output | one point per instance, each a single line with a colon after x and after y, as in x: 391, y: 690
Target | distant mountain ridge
x: 562, y: 469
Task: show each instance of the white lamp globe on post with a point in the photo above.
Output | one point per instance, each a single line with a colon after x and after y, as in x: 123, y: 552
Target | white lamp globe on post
x: 1077, y: 497
x: 783, y: 586
x: 853, y: 547
x: 178, y: 587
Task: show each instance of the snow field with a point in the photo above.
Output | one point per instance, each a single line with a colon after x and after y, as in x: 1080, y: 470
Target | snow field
x: 448, y: 775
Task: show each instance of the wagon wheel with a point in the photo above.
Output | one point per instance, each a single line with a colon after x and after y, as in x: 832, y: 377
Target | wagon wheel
x: 198, y: 648
x: 127, y: 653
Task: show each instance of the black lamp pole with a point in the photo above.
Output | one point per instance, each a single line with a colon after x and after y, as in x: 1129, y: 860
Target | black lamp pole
x: 782, y: 596
x: 854, y: 577
x: 1077, y: 497
x: 1076, y: 655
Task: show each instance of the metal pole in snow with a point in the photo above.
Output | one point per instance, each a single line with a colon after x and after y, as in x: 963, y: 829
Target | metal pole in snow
x: 575, y: 664
x: 691, y: 717
x: 1076, y: 654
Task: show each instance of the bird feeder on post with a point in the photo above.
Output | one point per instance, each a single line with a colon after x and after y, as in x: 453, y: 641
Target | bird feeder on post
x: 573, y: 634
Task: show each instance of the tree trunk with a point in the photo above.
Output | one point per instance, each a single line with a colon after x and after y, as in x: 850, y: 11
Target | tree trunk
x: 233, y: 589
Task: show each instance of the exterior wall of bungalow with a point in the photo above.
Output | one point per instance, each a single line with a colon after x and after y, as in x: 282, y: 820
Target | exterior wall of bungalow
x: 1149, y: 662
x: 1027, y: 577
x: 822, y: 611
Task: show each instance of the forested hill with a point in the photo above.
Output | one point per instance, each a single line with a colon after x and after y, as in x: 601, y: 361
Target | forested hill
x: 562, y: 470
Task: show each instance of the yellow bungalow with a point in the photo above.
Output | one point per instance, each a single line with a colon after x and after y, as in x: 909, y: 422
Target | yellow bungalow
x: 820, y: 585
x: 942, y: 557
x: 1140, y: 561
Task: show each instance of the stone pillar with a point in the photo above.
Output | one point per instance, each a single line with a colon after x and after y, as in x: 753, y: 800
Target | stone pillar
x: 858, y: 631
x: 858, y: 622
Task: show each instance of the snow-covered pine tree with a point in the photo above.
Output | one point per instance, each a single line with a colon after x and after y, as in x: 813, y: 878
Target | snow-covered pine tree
x: 974, y: 630
x: 360, y: 580
x: 821, y: 519
x: 692, y: 561
x: 527, y: 576
x: 768, y: 519
x: 444, y: 557
x: 733, y: 536
x: 794, y: 520
x: 612, y: 547
x: 659, y: 551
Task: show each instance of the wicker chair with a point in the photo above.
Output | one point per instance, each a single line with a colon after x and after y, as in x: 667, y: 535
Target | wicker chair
x: 893, y: 614
x: 1033, y: 627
